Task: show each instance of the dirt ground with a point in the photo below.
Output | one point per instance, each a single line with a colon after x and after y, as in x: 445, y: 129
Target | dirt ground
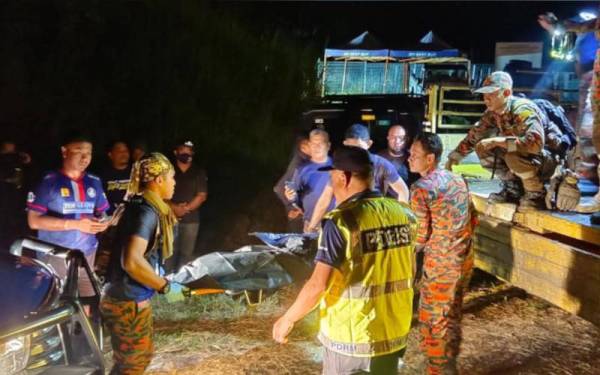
x: 505, y: 330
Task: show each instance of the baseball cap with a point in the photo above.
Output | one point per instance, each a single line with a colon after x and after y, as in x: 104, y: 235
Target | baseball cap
x: 358, y: 131
x: 585, y: 15
x: 494, y: 82
x: 185, y: 142
x: 350, y: 159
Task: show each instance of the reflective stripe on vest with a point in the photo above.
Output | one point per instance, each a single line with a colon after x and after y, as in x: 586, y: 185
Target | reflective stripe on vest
x: 362, y: 291
x: 367, y: 309
x: 385, y: 346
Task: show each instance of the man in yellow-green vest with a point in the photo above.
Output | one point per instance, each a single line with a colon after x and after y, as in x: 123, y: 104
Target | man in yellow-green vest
x: 363, y: 274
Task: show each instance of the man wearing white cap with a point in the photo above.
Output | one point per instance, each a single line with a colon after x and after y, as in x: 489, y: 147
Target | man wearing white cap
x: 509, y: 140
x: 190, y: 193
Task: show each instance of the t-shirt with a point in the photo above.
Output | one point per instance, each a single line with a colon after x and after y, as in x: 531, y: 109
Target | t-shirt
x: 139, y: 219
x: 309, y: 182
x: 298, y: 160
x: 60, y: 196
x: 384, y: 173
x: 332, y: 245
x: 586, y: 45
x: 188, y: 185
x: 401, y: 165
x: 115, y: 182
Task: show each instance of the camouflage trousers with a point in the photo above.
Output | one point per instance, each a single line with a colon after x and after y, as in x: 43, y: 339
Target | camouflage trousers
x: 532, y: 170
x: 440, y: 313
x: 595, y: 126
x: 585, y: 159
x: 595, y: 103
x: 130, y: 327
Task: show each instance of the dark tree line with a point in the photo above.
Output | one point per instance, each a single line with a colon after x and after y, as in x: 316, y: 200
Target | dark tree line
x: 157, y: 70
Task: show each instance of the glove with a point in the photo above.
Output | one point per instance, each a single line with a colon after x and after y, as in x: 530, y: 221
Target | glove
x: 568, y: 194
x: 555, y: 180
x: 454, y: 158
x: 450, y: 163
x: 175, y: 293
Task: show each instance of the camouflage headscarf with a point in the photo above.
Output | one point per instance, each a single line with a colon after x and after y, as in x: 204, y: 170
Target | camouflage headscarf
x: 145, y: 170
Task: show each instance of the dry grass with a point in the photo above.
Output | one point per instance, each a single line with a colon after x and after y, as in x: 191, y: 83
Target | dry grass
x: 505, y: 330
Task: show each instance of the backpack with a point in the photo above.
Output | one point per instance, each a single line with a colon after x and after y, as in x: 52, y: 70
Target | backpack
x: 563, y: 127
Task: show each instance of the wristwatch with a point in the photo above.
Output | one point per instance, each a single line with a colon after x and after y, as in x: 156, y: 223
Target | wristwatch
x: 166, y: 288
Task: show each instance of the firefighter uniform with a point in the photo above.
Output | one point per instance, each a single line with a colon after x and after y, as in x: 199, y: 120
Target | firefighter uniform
x: 440, y: 201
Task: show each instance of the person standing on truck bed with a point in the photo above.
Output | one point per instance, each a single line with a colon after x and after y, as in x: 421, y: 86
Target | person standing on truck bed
x: 586, y: 26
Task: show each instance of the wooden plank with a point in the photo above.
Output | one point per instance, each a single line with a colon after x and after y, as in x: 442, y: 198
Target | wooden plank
x: 549, y: 249
x: 587, y: 306
x: 569, y: 225
x: 559, y: 273
x: 502, y: 211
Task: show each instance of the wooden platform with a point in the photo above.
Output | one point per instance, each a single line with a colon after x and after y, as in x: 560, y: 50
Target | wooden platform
x: 552, y: 255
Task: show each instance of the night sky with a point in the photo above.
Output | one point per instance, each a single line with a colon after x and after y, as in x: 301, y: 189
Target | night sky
x: 472, y: 26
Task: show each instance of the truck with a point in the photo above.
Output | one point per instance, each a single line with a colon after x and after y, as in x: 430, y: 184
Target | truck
x: 550, y: 254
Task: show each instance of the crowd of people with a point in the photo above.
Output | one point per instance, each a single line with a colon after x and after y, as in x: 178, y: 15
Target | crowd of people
x: 371, y: 228
x: 374, y: 213
x: 142, y: 195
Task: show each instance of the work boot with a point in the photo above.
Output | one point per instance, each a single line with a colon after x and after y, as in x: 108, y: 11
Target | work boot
x: 511, y: 192
x: 532, y: 200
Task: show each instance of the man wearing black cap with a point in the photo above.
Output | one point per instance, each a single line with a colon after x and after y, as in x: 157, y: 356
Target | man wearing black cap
x: 190, y: 194
x: 363, y: 274
x: 385, y: 175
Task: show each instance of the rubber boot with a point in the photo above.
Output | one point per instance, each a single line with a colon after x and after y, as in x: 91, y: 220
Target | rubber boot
x: 511, y: 192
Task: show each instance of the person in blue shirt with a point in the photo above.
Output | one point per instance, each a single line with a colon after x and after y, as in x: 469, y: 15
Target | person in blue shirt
x: 307, y: 183
x: 385, y: 175
x: 300, y: 157
x: 144, y: 241
x: 68, y: 207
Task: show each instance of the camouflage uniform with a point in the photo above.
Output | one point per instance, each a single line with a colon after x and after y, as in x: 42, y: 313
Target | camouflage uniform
x: 130, y: 326
x: 525, y: 157
x: 440, y: 201
x: 595, y: 101
x: 592, y: 25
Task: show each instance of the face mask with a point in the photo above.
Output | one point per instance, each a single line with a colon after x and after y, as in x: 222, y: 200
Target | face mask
x: 184, y: 158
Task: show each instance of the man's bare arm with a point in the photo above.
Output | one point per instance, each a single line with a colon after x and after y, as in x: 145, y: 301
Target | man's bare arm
x: 320, y: 208
x: 39, y: 221
x: 401, y: 189
x: 136, y: 266
x: 307, y: 299
x: 197, y: 201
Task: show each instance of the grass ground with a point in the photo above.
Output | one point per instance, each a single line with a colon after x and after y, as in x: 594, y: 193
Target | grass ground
x: 505, y: 330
